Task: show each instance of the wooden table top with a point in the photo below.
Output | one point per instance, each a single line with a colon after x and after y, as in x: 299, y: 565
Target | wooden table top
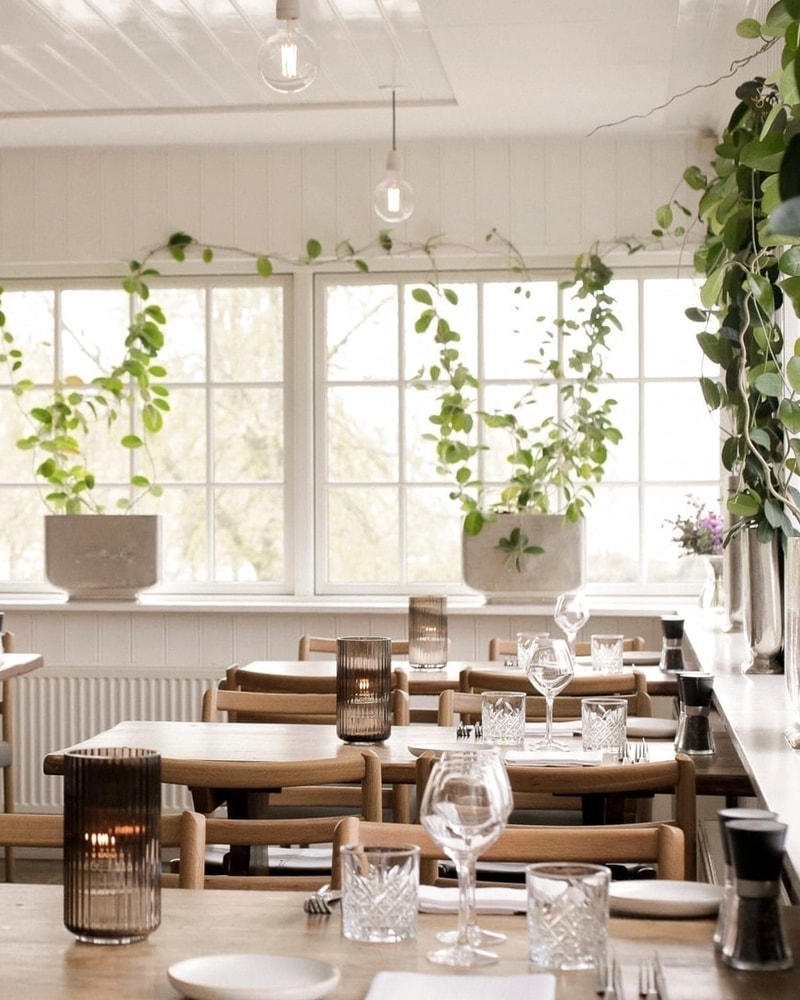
x: 183, y: 743
x: 17, y: 664
x: 40, y: 959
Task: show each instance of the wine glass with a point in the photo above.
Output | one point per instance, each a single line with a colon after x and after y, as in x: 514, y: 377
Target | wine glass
x: 550, y: 667
x: 466, y: 804
x: 571, y: 614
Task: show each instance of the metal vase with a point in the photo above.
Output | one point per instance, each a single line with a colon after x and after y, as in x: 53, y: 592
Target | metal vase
x: 791, y: 652
x: 763, y: 605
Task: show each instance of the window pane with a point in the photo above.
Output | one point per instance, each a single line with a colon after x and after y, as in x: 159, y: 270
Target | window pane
x: 247, y: 334
x: 363, y: 527
x: 249, y: 535
x: 670, y: 344
x: 361, y: 332
x: 682, y: 443
x: 94, y: 326
x: 248, y: 434
x: 362, y: 430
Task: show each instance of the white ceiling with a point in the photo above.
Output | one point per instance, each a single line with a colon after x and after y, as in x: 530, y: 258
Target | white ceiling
x: 157, y: 71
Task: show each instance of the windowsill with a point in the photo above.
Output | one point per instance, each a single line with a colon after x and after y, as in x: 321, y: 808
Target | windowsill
x: 274, y: 604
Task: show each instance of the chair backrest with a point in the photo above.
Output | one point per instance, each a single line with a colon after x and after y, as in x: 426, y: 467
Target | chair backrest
x: 285, y: 706
x: 673, y: 777
x: 499, y: 649
x: 47, y: 830
x: 659, y: 843
x: 631, y: 685
x: 362, y: 768
x: 297, y: 681
x: 327, y: 644
x: 203, y: 831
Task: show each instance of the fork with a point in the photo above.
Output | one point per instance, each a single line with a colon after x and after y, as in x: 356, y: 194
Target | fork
x: 609, y: 980
x: 636, y: 753
x: 647, y: 980
x: 318, y: 902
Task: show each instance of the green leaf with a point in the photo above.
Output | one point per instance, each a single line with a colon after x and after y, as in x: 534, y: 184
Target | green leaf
x: 313, y: 249
x: 264, y: 267
x: 131, y: 441
x: 664, y: 216
x: 695, y: 178
x: 208, y: 255
x: 786, y: 218
x: 473, y: 522
x: 422, y: 295
x: 749, y: 28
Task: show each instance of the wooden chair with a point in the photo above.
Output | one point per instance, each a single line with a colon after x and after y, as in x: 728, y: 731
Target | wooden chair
x: 7, y: 747
x: 660, y: 844
x: 632, y: 686
x: 47, y: 830
x: 499, y: 649
x: 325, y: 644
x: 320, y: 709
x: 604, y: 788
x: 322, y: 779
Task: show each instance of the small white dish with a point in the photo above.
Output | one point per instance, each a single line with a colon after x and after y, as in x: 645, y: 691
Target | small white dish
x: 468, y: 743
x: 641, y: 727
x: 253, y: 977
x: 663, y: 898
x: 641, y: 657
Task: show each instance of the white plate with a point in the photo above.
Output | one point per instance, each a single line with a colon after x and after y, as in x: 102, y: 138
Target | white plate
x: 663, y: 898
x: 253, y: 977
x: 446, y: 745
x: 641, y: 657
x: 639, y: 727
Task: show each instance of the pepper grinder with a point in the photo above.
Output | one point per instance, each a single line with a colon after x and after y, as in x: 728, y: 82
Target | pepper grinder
x: 755, y: 939
x: 728, y: 901
x: 694, y: 734
x: 671, y: 643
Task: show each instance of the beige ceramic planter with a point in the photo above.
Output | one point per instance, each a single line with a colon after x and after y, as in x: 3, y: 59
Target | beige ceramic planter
x: 561, y: 567
x: 102, y: 556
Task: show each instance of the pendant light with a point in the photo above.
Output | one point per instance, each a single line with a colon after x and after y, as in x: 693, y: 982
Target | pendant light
x: 393, y: 200
x: 288, y: 60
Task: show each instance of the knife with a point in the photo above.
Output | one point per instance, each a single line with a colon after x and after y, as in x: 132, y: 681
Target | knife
x: 661, y: 982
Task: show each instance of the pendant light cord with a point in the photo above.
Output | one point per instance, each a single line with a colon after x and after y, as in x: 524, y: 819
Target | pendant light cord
x: 394, y: 123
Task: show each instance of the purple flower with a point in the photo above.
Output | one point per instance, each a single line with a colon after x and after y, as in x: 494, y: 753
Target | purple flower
x: 700, y: 533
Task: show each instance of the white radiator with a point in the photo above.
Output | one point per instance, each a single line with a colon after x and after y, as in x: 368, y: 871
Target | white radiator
x: 53, y: 711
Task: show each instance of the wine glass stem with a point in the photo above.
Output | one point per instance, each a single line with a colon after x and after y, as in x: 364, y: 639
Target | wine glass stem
x: 548, y: 719
x: 467, y: 915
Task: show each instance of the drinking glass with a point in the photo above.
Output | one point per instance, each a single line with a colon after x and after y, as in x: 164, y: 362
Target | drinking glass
x: 571, y: 614
x: 466, y: 804
x: 549, y: 666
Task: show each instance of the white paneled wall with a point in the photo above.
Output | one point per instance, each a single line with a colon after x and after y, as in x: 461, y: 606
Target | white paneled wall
x: 551, y: 197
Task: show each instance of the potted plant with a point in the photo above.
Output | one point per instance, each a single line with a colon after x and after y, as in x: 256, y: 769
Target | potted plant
x: 117, y: 555
x: 750, y: 263
x: 524, y: 536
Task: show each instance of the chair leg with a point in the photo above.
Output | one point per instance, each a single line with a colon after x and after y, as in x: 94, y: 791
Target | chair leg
x: 8, y: 806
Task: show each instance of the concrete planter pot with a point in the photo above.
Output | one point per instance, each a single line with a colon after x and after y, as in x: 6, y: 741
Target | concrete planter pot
x: 102, y: 556
x: 561, y: 567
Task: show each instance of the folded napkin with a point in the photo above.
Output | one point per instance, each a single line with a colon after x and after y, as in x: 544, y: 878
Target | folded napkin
x: 564, y: 727
x: 555, y: 758
x: 488, y: 899
x: 424, y: 986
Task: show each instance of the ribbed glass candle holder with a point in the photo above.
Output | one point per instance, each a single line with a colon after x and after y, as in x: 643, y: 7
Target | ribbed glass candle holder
x: 363, y: 689
x: 427, y: 633
x: 112, y: 844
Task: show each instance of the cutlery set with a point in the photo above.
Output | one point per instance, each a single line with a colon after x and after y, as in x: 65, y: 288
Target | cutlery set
x: 635, y: 753
x: 652, y: 984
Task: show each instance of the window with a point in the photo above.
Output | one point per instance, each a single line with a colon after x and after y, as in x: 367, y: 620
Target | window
x: 251, y: 425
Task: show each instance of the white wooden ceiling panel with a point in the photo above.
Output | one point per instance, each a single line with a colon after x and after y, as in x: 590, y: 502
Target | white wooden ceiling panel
x: 133, y: 71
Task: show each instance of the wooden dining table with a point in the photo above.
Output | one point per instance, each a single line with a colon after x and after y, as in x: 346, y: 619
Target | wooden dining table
x: 183, y: 744
x: 40, y: 958
x: 17, y: 664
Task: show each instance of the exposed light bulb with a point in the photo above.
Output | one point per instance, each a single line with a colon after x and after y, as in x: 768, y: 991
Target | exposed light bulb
x: 288, y: 60
x: 394, y: 198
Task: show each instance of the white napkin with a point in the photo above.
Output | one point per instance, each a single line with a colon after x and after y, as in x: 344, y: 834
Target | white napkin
x: 424, y: 986
x: 555, y: 758
x: 488, y: 899
x: 564, y: 727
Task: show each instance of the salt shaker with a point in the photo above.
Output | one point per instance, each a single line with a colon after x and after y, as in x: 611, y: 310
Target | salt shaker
x: 755, y: 939
x: 671, y: 643
x: 694, y: 734
x: 728, y: 901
